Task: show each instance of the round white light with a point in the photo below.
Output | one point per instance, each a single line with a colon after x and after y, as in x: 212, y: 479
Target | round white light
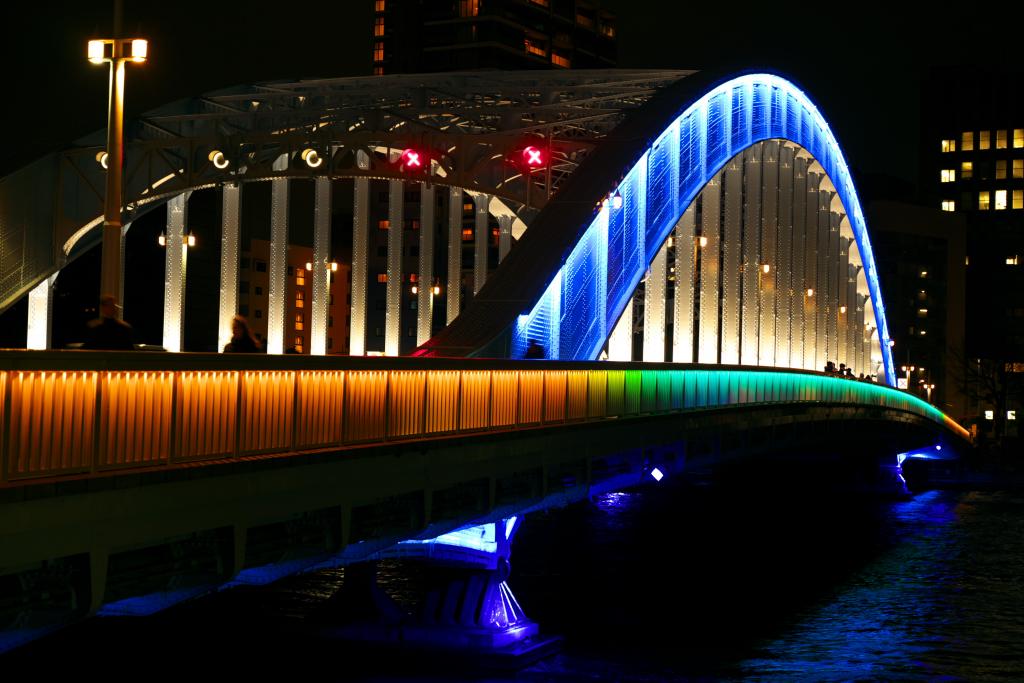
x: 311, y: 158
x: 102, y: 157
x: 218, y: 159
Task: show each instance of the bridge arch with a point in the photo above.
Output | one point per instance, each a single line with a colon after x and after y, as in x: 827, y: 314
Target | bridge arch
x: 572, y: 304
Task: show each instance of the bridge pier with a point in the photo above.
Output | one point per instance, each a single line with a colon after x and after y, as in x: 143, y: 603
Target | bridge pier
x: 466, y: 604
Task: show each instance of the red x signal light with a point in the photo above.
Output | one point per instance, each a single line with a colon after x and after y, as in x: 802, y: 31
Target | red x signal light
x: 413, y: 160
x: 533, y: 157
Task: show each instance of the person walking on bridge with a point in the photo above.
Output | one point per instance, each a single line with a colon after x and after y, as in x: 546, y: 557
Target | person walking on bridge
x: 107, y: 332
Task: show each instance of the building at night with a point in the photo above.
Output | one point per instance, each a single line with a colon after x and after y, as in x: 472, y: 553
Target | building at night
x: 972, y: 164
x: 921, y: 262
x: 418, y: 36
x: 254, y: 297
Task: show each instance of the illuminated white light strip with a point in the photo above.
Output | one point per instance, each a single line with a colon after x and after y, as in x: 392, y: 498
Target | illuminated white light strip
x: 174, y: 279
x: 360, y: 247
x: 620, y: 341
x: 277, y: 290
x: 481, y: 237
x: 454, y: 293
x: 654, y: 307
x: 769, y: 237
x: 425, y: 293
x: 40, y: 314
x: 321, y: 275
x: 686, y: 258
x: 732, y: 241
x: 751, y: 250
x: 393, y: 303
x: 229, y: 255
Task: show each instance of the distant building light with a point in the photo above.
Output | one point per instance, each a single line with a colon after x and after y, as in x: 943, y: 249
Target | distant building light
x: 1011, y: 414
x: 990, y: 415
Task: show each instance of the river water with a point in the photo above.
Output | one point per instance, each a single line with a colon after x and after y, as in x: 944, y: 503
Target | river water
x: 678, y: 582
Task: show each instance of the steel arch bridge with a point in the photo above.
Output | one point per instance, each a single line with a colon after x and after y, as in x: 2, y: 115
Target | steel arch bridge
x: 635, y: 158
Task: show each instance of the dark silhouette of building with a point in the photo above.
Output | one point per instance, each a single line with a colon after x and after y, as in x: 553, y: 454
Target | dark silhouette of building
x: 416, y: 36
x: 921, y: 260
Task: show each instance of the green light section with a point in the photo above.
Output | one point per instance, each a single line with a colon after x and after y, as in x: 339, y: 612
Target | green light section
x: 656, y: 390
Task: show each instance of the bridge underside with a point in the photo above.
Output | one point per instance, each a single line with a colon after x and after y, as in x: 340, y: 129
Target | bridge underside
x: 135, y: 542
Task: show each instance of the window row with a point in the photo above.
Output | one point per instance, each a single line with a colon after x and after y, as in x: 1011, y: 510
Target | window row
x: 1015, y: 167
x: 991, y: 200
x: 1003, y: 139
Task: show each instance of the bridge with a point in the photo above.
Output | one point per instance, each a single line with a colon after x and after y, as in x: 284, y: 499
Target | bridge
x: 130, y: 481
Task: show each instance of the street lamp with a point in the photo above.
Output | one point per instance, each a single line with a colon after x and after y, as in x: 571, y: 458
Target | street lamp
x: 114, y: 51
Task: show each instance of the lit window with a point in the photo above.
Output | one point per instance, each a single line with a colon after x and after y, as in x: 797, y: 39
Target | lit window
x: 967, y: 141
x: 607, y: 29
x: 298, y: 344
x: 383, y: 224
x: 382, y: 277
x: 1018, y: 168
x: 1000, y: 200
x: 966, y: 170
x: 924, y: 273
x: 299, y: 300
x: 378, y: 71
x: 378, y: 6
x: 299, y: 322
x: 1018, y: 138
x: 378, y: 26
x: 378, y: 52
x: 1000, y: 139
x: 990, y: 414
x: 948, y: 175
x: 983, y: 140
x: 469, y: 8
x: 949, y: 145
x: 922, y: 313
x: 300, y: 278
x: 1001, y: 170
x: 468, y: 206
x: 1018, y: 199
x: 536, y: 47
x: 948, y: 205
x: 467, y: 234
x: 559, y: 59
x: 983, y: 201
x: 1013, y: 261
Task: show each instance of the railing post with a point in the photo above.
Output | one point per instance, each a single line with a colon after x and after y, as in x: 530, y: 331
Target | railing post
x: 5, y: 445
x: 173, y: 438
x: 97, y: 424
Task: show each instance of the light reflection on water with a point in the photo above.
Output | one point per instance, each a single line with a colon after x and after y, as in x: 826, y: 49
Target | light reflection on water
x: 679, y: 583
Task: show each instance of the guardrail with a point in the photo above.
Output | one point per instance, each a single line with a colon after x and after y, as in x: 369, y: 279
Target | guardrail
x: 68, y: 412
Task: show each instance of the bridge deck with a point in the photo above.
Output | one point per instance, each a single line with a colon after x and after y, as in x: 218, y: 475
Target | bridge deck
x: 86, y: 414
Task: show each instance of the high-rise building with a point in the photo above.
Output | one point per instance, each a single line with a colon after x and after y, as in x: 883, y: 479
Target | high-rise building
x: 416, y: 36
x: 972, y: 163
x: 254, y: 297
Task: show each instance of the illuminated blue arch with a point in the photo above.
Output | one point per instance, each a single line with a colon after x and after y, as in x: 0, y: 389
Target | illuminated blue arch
x: 589, y: 292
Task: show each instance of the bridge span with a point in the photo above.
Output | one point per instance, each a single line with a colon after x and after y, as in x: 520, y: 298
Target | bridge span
x: 131, y: 481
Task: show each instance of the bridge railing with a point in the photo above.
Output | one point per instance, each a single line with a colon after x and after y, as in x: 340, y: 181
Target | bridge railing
x: 74, y: 413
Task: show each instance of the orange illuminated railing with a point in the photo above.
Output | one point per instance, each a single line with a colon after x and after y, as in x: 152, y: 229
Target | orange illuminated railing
x: 67, y: 413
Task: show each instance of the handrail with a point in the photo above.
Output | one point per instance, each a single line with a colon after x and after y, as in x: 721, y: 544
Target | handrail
x: 74, y: 413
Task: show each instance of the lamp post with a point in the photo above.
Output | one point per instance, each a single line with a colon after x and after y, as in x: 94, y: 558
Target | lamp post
x: 115, y: 51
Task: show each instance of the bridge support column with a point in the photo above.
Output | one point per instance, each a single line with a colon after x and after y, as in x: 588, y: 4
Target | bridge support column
x: 751, y: 252
x: 481, y: 239
x: 620, y: 341
x: 174, y: 275
x: 229, y: 254
x: 393, y: 297
x: 799, y: 246
x: 732, y: 235
x: 425, y: 293
x: 40, y: 314
x: 686, y: 267
x: 360, y: 246
x: 707, y: 350
x: 654, y: 307
x: 768, y: 258
x: 321, y: 267
x: 277, y: 290
x: 468, y: 605
x: 811, y: 273
x: 504, y: 237
x: 784, y: 257
x: 821, y: 293
x: 843, y: 313
x: 454, y: 293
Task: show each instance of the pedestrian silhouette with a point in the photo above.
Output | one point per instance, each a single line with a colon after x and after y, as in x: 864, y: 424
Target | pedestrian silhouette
x: 107, y: 332
x: 534, y: 350
x: 242, y: 340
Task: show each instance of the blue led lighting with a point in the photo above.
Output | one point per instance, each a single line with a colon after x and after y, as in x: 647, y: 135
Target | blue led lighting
x: 588, y: 294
